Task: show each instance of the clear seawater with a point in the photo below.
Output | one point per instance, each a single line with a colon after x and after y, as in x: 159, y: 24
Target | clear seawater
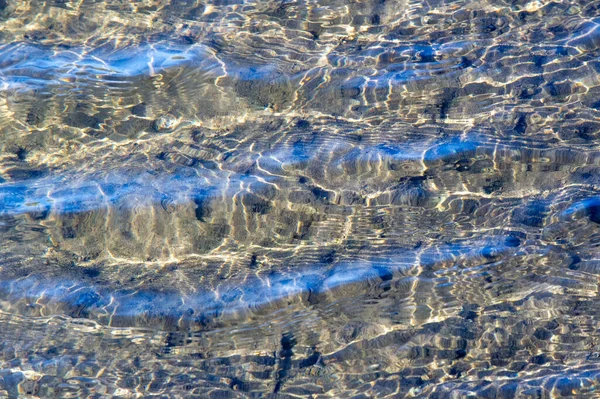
x: 299, y: 199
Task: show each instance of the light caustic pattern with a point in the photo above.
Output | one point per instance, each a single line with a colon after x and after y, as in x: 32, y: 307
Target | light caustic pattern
x: 325, y: 199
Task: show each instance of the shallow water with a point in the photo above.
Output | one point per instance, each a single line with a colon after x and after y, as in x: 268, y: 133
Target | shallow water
x: 282, y: 199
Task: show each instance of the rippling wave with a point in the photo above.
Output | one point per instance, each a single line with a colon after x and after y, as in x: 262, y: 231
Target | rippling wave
x: 349, y: 199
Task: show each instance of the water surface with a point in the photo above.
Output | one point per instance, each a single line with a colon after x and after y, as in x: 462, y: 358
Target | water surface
x: 283, y: 199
